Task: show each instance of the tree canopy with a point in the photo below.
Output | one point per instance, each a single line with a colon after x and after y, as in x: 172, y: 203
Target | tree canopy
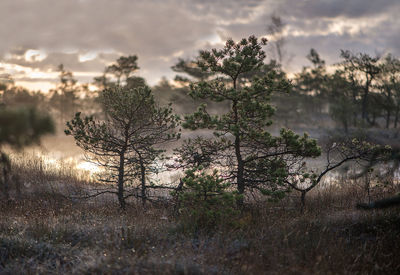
x: 248, y: 155
x: 124, y: 141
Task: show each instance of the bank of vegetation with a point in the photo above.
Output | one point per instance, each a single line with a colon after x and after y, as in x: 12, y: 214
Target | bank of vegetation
x: 246, y: 198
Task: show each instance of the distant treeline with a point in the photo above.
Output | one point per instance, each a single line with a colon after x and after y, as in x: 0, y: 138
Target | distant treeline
x: 360, y: 91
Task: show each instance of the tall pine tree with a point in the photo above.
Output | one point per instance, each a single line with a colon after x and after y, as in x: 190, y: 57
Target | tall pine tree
x: 248, y: 155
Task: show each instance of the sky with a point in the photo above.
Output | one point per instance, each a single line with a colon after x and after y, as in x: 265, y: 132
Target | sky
x: 88, y: 35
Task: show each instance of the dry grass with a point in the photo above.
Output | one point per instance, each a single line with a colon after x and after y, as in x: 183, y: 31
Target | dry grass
x: 43, y: 232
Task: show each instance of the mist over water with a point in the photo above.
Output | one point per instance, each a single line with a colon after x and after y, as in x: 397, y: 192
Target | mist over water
x: 61, y: 151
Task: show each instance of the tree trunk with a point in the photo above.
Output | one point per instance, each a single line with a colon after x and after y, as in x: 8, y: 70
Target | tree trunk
x: 396, y: 117
x: 121, y: 172
x: 346, y: 126
x: 303, y: 201
x: 5, y: 175
x: 354, y: 107
x: 389, y: 109
x: 364, y: 114
x: 143, y: 179
x: 368, y: 186
x: 388, y: 114
x: 364, y: 106
x: 240, y: 167
x: 373, y: 122
x: 240, y: 163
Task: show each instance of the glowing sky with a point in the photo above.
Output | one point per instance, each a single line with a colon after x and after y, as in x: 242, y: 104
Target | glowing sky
x: 86, y: 35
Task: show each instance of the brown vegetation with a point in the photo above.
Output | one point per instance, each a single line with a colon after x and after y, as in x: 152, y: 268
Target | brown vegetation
x: 46, y: 232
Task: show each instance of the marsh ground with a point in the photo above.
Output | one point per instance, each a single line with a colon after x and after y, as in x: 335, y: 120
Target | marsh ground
x: 45, y: 232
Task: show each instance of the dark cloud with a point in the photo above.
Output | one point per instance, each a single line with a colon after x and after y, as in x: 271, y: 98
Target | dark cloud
x: 307, y: 9
x: 161, y: 31
x: 223, y: 9
x: 147, y: 27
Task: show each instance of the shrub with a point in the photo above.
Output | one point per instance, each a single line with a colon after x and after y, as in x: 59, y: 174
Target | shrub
x: 206, y: 202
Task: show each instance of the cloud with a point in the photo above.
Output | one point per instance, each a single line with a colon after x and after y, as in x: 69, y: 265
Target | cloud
x: 71, y: 61
x: 309, y: 9
x: 87, y: 35
x: 143, y: 27
x: 150, y: 29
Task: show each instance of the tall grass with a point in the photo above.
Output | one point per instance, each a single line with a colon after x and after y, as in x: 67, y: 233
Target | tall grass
x: 45, y: 232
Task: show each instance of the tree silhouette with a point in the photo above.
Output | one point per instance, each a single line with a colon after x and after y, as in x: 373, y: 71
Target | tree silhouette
x: 311, y: 87
x: 388, y: 84
x: 249, y: 156
x: 337, y: 152
x: 20, y: 127
x: 275, y: 30
x: 362, y: 69
x: 342, y: 109
x: 124, y: 143
x: 65, y: 97
x: 124, y: 66
x: 191, y: 69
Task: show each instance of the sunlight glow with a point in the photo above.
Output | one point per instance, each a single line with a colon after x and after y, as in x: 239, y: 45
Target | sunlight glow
x: 87, y: 56
x: 36, y: 74
x: 214, y: 39
x: 89, y: 167
x: 35, y: 55
x: 79, y: 166
x: 43, y: 86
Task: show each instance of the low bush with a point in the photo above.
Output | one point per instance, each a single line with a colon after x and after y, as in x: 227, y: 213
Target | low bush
x: 206, y: 202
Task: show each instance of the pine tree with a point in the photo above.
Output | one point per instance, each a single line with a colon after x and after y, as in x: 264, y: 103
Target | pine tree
x: 248, y: 155
x: 124, y: 143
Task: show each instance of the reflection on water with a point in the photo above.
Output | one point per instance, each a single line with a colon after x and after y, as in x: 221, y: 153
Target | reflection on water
x: 55, y: 162
x: 88, y: 167
x: 78, y: 167
x: 75, y: 165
